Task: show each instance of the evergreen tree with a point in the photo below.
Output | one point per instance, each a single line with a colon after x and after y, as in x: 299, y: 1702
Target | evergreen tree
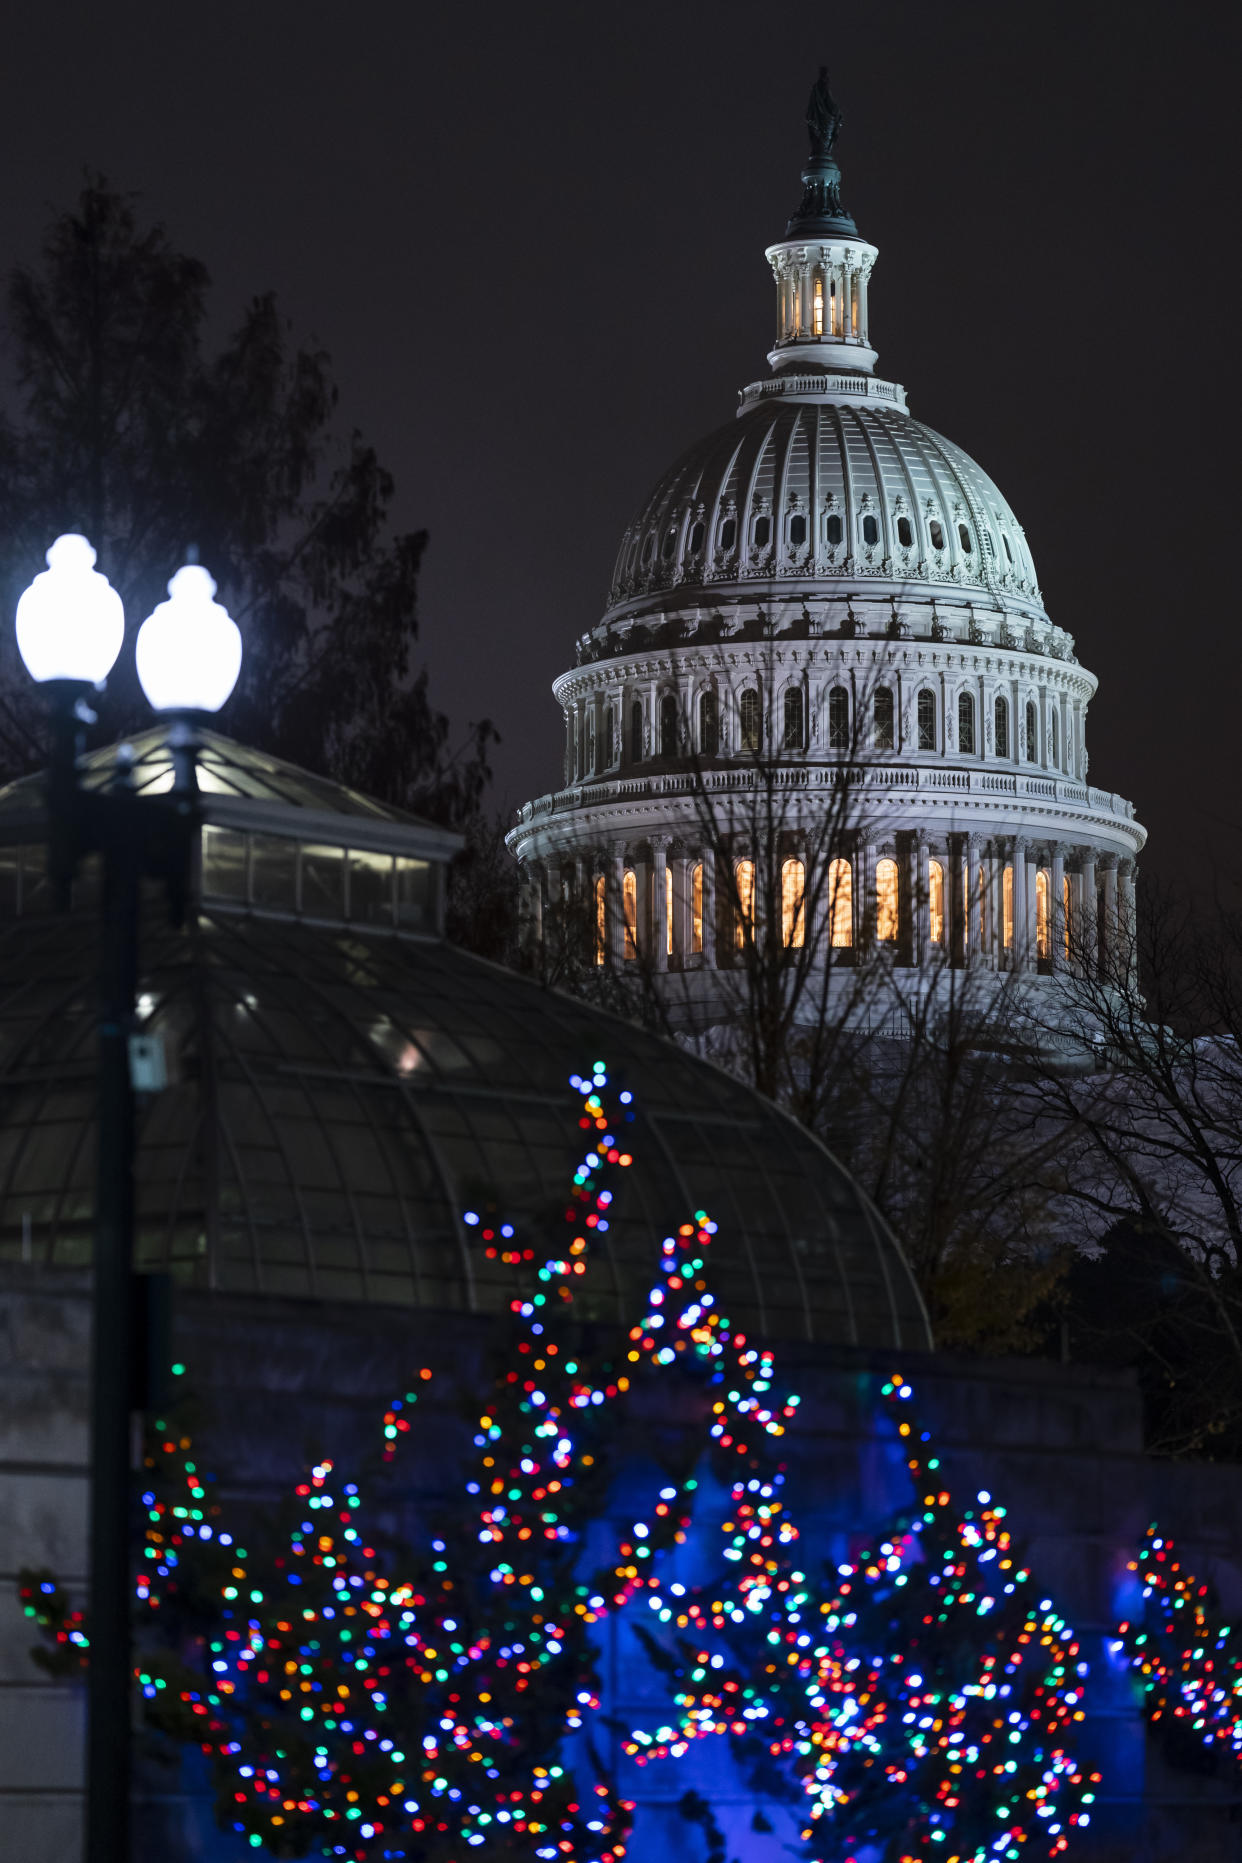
x: 126, y: 422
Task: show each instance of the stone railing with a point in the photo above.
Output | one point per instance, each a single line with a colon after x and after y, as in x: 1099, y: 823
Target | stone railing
x: 888, y: 776
x: 854, y: 387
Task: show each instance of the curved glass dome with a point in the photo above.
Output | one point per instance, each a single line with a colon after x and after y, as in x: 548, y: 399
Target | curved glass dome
x: 343, y: 1089
x: 825, y: 489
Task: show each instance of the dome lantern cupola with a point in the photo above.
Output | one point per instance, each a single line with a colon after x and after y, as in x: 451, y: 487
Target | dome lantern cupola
x: 822, y: 265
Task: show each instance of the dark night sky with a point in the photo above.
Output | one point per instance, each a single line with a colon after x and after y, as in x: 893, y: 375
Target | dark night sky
x: 533, y: 242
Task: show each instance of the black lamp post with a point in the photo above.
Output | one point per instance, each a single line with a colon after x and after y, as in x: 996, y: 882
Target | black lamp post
x: 70, y: 627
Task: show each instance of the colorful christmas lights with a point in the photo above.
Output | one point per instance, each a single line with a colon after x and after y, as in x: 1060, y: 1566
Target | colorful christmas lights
x: 1187, y: 1653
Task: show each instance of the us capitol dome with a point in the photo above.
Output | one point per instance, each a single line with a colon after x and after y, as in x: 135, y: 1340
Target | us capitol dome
x: 825, y: 628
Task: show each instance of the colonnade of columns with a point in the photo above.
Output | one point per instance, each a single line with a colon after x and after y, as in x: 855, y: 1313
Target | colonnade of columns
x: 1010, y: 903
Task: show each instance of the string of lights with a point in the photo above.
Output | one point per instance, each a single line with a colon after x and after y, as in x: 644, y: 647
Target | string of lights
x: 1186, y: 1652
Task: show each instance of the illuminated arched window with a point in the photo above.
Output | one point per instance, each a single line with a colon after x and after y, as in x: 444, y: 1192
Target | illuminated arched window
x: 601, y: 919
x: 935, y: 902
x: 841, y: 903
x: 748, y: 715
x: 1032, y: 733
x: 629, y: 908
x: 793, y: 902
x: 884, y: 715
x: 965, y: 723
x: 668, y: 910
x: 817, y: 314
x: 795, y: 737
x: 1043, y: 924
x: 668, y: 725
x: 886, y: 901
x: 838, y: 719
x: 1065, y: 912
x: 610, y: 738
x: 636, y: 732
x: 1007, y: 914
x: 744, y: 876
x: 927, y: 720
x: 1054, y: 725
x: 1001, y: 713
x: 709, y: 724
x: 696, y: 907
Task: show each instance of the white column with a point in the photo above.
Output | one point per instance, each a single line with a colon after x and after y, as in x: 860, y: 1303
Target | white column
x: 658, y: 916
x: 974, y: 921
x: 1109, y: 864
x: 1129, y: 923
x: 708, y: 858
x: 862, y: 303
x: 1056, y: 912
x: 864, y: 896
x: 1089, y: 929
x: 615, y: 903
x: 1020, y: 954
x: 1032, y: 941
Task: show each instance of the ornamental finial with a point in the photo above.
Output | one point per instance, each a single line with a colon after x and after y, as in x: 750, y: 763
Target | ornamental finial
x: 823, y: 118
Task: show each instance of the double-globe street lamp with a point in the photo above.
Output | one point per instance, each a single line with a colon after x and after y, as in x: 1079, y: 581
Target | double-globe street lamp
x: 70, y: 628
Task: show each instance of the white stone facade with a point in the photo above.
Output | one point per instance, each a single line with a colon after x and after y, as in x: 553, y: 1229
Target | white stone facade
x: 827, y: 596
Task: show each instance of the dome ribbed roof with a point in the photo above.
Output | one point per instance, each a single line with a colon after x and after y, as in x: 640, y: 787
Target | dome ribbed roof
x: 882, y: 499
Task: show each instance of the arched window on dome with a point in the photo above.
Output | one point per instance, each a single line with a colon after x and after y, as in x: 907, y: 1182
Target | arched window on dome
x: 1032, y: 733
x: 648, y: 546
x: 1001, y: 717
x: 870, y: 529
x: 670, y: 542
x: 728, y: 534
x: 964, y: 537
x: 817, y: 309
x: 886, y: 901
x: 795, y: 733
x: 636, y: 731
x: 696, y: 537
x: 966, y: 723
x: 1043, y: 915
x: 709, y: 724
x: 927, y: 720
x: 744, y: 880
x: 696, y: 907
x: 1054, y: 731
x: 749, y: 719
x: 884, y: 713
x: 935, y: 902
x: 832, y: 529
x: 610, y: 738
x: 763, y: 532
x: 668, y: 725
x: 1008, y: 550
x: 629, y: 909
x: 797, y: 530
x: 905, y: 535
x: 935, y: 531
x: 793, y: 903
x: 838, y: 719
x: 841, y: 904
x: 601, y: 918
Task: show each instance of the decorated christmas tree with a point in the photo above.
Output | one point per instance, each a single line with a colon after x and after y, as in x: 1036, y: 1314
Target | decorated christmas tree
x: 1188, y: 1654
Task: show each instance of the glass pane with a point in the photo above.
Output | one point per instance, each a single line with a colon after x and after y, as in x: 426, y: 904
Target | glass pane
x: 10, y: 863
x: 323, y: 882
x: 273, y: 872
x: 370, y: 888
x: 224, y: 864
x: 415, y: 902
x: 36, y: 892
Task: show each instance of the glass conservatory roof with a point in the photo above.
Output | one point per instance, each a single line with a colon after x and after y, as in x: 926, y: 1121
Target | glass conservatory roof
x: 339, y: 1098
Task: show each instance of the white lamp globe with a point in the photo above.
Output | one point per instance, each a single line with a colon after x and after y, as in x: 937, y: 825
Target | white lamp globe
x: 189, y: 651
x: 70, y: 621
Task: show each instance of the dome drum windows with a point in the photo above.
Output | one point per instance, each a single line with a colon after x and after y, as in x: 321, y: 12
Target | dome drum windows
x: 794, y: 734
x: 927, y: 719
x: 1001, y: 722
x: 797, y: 531
x: 750, y: 720
x: 838, y: 719
x: 966, y: 723
x: 905, y: 535
x: 668, y: 725
x: 763, y: 532
x: 870, y: 529
x: 1032, y: 732
x: 636, y: 731
x: 935, y: 531
x: 709, y: 724
x: 728, y: 534
x: 696, y: 538
x: 884, y: 712
x: 964, y: 538
x: 670, y: 543
x: 833, y: 530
